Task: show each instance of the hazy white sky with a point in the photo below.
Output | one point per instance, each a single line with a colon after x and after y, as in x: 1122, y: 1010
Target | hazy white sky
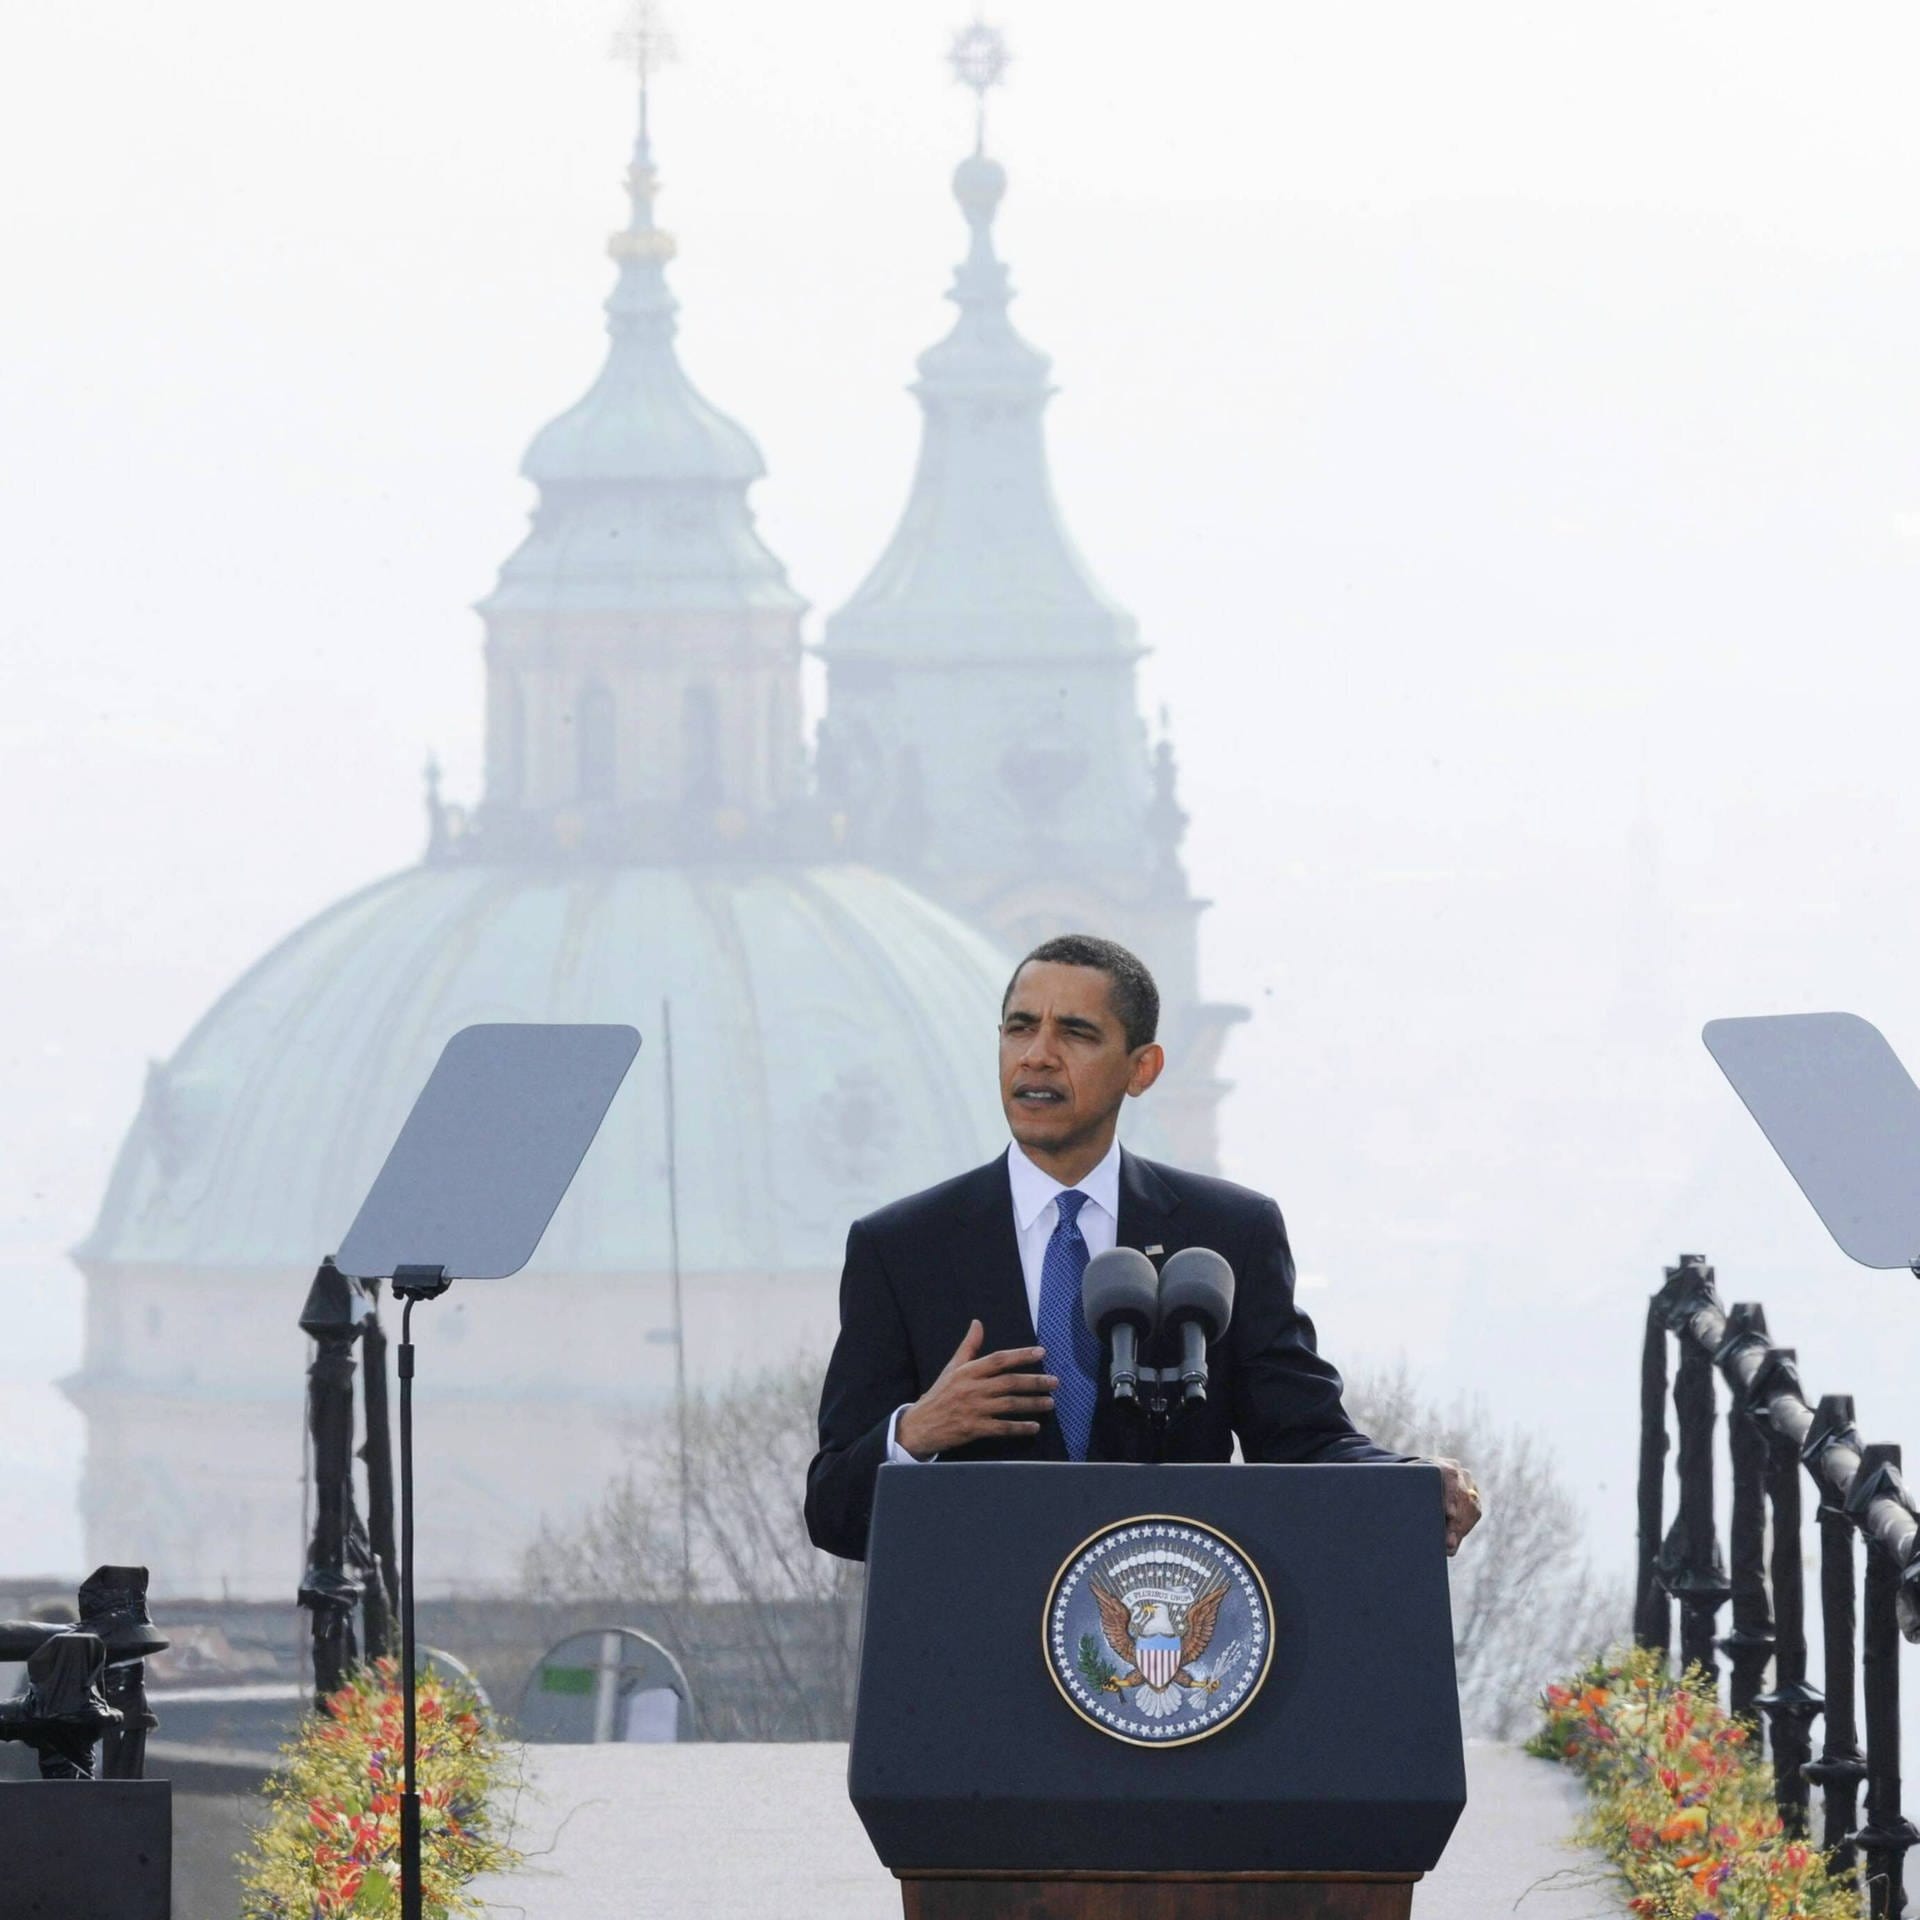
x: 1503, y: 420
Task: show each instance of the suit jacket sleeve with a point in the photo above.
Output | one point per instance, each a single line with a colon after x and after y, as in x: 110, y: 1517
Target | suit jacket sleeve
x: 871, y: 1373
x: 1286, y: 1398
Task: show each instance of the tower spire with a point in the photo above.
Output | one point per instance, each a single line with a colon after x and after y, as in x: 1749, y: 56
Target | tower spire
x: 642, y: 248
x: 983, y: 731
x: 981, y: 543
x: 643, y: 643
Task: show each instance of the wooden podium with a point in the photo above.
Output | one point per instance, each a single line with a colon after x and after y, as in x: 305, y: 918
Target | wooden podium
x: 1157, y: 1693
x: 1158, y: 1896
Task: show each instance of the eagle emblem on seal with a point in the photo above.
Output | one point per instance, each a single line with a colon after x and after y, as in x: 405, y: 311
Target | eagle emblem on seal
x: 1158, y: 1630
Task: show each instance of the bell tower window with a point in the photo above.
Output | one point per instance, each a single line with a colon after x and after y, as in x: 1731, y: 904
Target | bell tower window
x: 594, y: 719
x: 700, y: 747
x: 513, y: 741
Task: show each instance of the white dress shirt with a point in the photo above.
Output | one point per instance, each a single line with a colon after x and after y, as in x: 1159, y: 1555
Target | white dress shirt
x: 1035, y: 1215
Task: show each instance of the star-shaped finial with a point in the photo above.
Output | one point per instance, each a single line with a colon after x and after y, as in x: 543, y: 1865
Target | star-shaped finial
x: 644, y: 44
x: 979, y: 58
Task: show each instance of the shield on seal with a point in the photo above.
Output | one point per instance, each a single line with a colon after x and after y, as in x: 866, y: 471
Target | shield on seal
x: 1159, y: 1657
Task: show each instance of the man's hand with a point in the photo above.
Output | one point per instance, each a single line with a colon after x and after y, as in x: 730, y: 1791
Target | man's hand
x: 1462, y: 1497
x: 978, y: 1397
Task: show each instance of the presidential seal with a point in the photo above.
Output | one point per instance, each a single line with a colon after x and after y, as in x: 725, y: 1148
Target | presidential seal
x: 1158, y: 1630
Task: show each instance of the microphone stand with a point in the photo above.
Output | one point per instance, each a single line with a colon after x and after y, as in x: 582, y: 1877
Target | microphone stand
x: 1157, y: 1392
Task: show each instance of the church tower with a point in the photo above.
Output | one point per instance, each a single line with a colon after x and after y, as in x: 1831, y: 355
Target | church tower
x: 643, y: 644
x: 645, y: 852
x: 982, y: 734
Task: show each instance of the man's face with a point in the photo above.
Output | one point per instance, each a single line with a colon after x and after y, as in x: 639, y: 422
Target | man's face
x: 1065, y: 1065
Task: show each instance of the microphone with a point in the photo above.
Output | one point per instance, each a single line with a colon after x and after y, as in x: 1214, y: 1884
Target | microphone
x: 1196, y: 1295
x: 1120, y: 1299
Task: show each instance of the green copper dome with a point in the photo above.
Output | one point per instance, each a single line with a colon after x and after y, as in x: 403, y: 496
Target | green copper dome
x: 833, y: 1047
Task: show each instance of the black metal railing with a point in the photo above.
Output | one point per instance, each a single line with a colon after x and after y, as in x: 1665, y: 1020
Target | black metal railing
x: 351, y: 1564
x: 1773, y: 1434
x: 82, y: 1706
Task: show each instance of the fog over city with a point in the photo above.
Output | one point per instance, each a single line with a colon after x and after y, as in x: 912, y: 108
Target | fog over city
x: 1503, y: 422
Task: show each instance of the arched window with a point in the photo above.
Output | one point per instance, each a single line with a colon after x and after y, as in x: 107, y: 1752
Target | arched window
x: 594, y: 719
x: 510, y: 741
x: 781, y: 749
x: 700, y: 747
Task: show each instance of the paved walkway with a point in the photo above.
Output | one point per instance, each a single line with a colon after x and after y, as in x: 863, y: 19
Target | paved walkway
x: 726, y: 1832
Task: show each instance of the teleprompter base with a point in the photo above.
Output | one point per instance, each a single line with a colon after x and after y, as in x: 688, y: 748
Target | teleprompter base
x: 1157, y: 1896
x: 86, y: 1849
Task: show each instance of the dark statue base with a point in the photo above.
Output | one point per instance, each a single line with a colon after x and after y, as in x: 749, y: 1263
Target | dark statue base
x: 1157, y: 1896
x: 86, y: 1849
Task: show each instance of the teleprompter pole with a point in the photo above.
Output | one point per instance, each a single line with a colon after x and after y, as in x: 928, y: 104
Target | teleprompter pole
x: 410, y: 1285
x: 468, y: 1187
x: 382, y: 1598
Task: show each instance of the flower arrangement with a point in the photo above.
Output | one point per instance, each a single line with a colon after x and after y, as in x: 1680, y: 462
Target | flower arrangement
x: 1683, y: 1806
x: 331, y: 1841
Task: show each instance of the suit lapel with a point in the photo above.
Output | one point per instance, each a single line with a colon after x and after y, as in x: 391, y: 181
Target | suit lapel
x: 1147, y: 1205
x: 1146, y: 1224
x: 986, y: 1254
x: 991, y: 1280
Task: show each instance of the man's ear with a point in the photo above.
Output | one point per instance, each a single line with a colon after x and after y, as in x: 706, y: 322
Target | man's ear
x: 1147, y: 1064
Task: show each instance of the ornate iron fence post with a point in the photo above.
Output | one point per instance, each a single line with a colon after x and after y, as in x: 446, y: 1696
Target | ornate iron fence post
x: 1690, y: 1565
x: 1652, y: 1608
x: 1791, y: 1705
x: 1861, y: 1489
x: 113, y: 1605
x: 1884, y: 1840
x: 1841, y: 1766
x: 1750, y: 1644
x: 328, y: 1589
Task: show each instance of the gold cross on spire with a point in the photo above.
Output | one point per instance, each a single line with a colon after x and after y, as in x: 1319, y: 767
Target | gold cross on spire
x: 979, y: 58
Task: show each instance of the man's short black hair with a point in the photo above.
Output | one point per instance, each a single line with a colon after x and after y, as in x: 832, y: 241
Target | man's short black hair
x: 1136, y: 1000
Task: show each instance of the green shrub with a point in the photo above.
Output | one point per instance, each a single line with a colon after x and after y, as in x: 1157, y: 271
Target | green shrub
x: 1682, y: 1804
x: 331, y: 1841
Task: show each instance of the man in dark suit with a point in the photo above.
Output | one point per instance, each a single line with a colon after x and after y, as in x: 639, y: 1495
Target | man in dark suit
x: 953, y: 1299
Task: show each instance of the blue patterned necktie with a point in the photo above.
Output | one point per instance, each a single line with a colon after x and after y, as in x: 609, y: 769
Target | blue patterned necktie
x: 1073, y: 1354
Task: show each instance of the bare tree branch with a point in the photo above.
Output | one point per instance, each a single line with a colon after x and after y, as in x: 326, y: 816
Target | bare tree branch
x: 1526, y: 1603
x: 787, y: 1659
